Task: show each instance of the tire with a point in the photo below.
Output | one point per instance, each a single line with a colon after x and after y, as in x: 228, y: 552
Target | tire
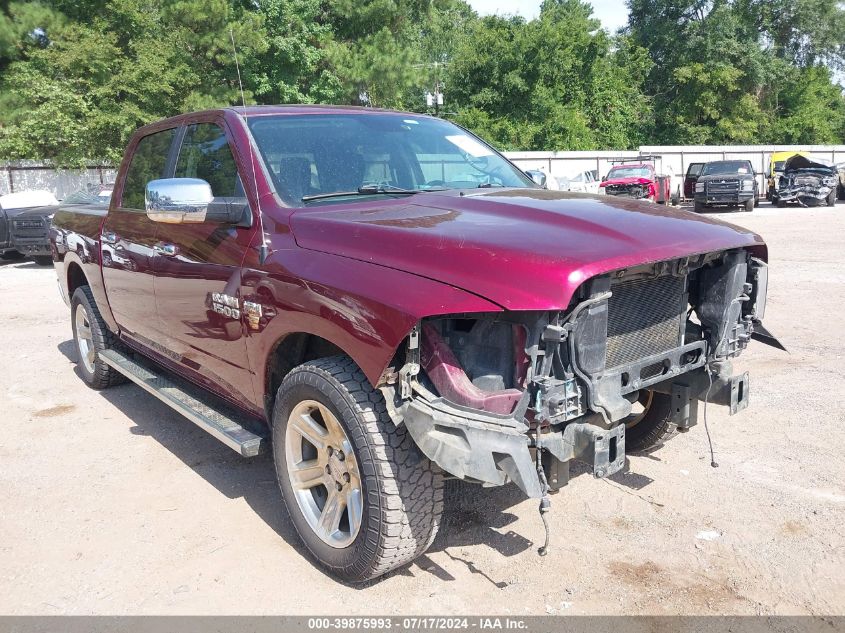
x: 676, y: 197
x: 654, y: 426
x: 780, y: 204
x: 840, y: 192
x: 399, y: 490
x: 12, y: 256
x: 831, y: 199
x: 43, y: 260
x: 748, y: 205
x: 698, y: 207
x: 85, y: 316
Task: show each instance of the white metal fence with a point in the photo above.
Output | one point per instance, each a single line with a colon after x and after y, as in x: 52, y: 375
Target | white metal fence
x: 31, y: 175
x: 669, y: 160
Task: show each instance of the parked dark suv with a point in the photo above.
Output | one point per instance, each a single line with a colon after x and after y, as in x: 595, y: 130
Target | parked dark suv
x: 726, y: 183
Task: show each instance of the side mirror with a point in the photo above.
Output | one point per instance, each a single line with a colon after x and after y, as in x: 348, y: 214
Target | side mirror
x: 537, y: 176
x: 604, y: 178
x: 189, y: 201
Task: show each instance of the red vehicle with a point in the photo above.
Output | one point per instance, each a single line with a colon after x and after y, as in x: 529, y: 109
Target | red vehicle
x: 385, y: 301
x: 637, y: 180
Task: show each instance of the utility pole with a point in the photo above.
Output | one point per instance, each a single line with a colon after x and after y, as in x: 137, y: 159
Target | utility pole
x: 435, y: 99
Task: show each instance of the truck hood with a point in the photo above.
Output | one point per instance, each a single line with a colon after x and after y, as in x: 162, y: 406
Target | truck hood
x: 632, y: 180
x: 523, y: 249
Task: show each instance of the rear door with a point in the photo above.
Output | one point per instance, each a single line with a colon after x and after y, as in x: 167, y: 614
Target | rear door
x: 198, y: 273
x: 128, y: 237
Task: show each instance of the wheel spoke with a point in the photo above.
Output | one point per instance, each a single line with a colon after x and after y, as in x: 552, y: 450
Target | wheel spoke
x: 308, y: 428
x: 354, y: 506
x: 85, y: 332
x: 332, y: 513
x: 90, y: 355
x: 332, y: 425
x: 306, y: 474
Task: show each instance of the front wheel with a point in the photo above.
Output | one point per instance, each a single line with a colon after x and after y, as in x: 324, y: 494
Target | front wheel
x: 650, y: 423
x: 43, y: 260
x: 361, y: 496
x: 831, y: 199
x: 749, y: 205
x: 699, y: 207
x: 12, y: 256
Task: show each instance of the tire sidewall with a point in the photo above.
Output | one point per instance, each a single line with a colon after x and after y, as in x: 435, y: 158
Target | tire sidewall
x: 653, y: 428
x: 293, y: 391
x: 80, y: 299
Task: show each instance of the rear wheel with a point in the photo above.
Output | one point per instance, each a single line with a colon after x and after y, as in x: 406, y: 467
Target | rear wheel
x: 361, y: 496
x: 91, y: 336
x: 650, y: 422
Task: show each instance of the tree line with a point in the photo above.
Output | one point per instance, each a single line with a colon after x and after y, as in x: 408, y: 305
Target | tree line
x: 78, y: 76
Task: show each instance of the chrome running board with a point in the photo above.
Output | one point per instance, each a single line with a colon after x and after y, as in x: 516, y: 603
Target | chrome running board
x: 199, y: 410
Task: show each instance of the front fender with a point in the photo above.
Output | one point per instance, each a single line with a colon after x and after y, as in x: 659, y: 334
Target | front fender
x: 364, y: 309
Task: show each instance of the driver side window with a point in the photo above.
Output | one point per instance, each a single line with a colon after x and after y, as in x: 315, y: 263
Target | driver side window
x: 205, y: 154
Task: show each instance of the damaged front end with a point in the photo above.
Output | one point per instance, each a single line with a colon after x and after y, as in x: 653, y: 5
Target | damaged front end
x: 809, y: 182
x: 636, y: 190
x: 516, y: 396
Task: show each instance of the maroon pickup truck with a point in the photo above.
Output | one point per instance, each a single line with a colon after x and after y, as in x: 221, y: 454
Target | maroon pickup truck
x: 385, y: 302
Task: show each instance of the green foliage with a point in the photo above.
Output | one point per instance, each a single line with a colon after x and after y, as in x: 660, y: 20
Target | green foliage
x: 555, y: 82
x: 742, y: 71
x: 78, y: 76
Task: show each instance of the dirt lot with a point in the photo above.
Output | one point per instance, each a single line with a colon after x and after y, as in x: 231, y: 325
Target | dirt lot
x: 112, y: 504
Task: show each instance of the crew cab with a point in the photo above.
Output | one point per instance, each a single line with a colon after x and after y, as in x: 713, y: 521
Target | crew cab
x: 384, y: 301
x: 726, y: 183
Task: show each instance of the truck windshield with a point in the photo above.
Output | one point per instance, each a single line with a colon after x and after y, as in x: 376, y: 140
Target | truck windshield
x: 325, y: 158
x: 726, y: 167
x: 629, y: 172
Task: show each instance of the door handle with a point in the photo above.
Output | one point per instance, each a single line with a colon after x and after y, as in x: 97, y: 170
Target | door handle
x: 109, y: 237
x: 165, y: 249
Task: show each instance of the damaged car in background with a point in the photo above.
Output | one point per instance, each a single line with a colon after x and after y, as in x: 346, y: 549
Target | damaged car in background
x: 387, y: 302
x: 811, y: 182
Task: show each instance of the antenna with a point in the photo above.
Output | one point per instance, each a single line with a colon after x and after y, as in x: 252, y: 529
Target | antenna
x: 262, y: 249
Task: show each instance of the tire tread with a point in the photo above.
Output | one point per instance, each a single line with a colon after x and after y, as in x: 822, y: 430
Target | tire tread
x: 404, y: 488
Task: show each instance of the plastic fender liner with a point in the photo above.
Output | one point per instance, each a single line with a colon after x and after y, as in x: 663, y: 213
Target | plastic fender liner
x: 487, y: 448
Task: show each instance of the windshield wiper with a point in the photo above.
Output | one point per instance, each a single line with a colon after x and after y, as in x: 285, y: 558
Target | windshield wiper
x: 366, y: 190
x: 487, y: 185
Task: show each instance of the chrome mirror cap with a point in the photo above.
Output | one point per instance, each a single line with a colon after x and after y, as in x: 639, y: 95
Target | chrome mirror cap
x: 177, y: 200
x: 537, y: 176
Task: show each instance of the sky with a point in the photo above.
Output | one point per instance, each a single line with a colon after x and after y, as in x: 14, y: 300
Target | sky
x: 612, y: 13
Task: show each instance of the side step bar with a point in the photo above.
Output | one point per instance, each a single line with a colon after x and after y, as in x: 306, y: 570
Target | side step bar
x: 203, y: 413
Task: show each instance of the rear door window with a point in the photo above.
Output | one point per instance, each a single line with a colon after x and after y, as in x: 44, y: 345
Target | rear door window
x: 149, y: 162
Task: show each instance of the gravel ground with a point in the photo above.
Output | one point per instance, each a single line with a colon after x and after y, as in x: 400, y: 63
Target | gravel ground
x: 113, y: 504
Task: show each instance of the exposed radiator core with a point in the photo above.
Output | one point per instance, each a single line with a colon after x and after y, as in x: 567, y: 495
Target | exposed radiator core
x: 644, y: 318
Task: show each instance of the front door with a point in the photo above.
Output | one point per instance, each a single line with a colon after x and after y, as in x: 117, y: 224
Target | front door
x: 128, y: 240
x: 197, y: 274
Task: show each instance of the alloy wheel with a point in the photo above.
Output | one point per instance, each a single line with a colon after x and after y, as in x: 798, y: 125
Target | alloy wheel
x: 323, y: 473
x: 84, y: 338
